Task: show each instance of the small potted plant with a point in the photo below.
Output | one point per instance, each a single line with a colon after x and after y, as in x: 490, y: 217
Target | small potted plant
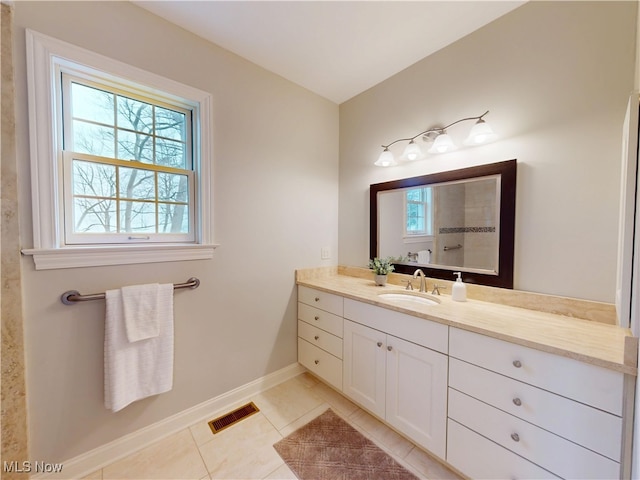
x: 381, y: 267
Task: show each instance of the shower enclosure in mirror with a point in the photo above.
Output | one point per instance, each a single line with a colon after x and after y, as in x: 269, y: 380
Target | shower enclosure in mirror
x: 460, y: 220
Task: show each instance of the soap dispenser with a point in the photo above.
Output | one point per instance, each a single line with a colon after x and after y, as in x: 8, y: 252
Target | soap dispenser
x: 459, y: 290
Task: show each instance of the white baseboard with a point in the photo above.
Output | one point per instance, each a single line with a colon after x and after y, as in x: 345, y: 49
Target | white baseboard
x: 97, y: 458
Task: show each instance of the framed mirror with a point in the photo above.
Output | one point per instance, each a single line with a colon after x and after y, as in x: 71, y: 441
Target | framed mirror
x: 460, y: 220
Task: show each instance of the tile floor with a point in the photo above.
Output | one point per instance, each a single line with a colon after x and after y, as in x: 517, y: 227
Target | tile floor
x: 244, y: 450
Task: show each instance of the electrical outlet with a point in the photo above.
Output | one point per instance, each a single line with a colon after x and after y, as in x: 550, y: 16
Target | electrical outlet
x: 325, y: 253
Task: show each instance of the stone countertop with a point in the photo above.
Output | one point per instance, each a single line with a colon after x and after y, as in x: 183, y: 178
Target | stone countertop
x: 596, y: 343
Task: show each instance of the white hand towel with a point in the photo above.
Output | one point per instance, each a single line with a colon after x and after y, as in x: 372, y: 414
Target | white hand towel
x: 424, y: 256
x: 136, y: 370
x: 140, y: 306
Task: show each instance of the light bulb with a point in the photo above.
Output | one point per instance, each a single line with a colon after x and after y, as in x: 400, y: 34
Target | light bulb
x: 386, y: 159
x: 442, y: 144
x: 412, y: 151
x: 480, y: 133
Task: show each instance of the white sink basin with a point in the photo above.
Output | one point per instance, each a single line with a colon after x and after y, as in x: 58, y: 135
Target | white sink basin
x: 408, y: 299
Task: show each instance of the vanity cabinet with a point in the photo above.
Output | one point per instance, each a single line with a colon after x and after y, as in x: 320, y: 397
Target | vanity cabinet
x: 544, y: 415
x: 320, y: 331
x: 364, y: 367
x: 489, y: 407
x: 389, y: 371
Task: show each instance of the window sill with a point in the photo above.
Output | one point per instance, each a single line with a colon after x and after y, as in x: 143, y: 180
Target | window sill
x: 417, y: 238
x: 92, y: 256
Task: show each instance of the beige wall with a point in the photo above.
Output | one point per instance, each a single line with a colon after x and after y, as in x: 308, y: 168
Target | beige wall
x: 556, y: 77
x: 276, y: 205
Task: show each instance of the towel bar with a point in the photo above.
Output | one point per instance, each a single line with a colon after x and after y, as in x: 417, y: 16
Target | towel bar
x: 73, y: 296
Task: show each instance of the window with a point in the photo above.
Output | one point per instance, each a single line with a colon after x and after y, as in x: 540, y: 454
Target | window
x: 121, y: 161
x: 418, y: 212
x: 128, y: 167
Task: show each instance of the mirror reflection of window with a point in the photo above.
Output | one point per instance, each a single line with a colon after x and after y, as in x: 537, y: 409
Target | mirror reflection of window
x: 452, y: 225
x: 418, y: 210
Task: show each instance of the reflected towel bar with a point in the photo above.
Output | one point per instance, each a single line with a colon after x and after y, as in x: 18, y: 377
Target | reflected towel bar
x: 73, y: 296
x: 456, y: 247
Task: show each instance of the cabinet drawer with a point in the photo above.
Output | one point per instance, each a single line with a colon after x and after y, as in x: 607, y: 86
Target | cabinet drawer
x: 319, y: 318
x: 477, y: 457
x: 549, y: 451
x: 429, y: 334
x: 320, y: 363
x: 324, y: 301
x: 590, y: 384
x: 592, y: 428
x: 320, y: 338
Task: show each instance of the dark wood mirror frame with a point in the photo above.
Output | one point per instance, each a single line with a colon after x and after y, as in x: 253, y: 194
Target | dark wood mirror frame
x: 507, y: 170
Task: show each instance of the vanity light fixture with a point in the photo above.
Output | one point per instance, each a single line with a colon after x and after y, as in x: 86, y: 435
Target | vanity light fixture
x: 412, y: 151
x: 386, y: 159
x: 480, y: 133
x: 443, y: 144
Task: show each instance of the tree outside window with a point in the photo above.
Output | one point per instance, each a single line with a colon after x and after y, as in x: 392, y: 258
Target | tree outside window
x: 130, y: 163
x: 419, y: 211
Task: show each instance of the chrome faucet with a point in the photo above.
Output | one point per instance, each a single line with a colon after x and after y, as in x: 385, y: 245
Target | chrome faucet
x: 423, y: 280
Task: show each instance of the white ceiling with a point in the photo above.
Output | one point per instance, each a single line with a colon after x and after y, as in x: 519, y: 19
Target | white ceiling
x: 336, y: 49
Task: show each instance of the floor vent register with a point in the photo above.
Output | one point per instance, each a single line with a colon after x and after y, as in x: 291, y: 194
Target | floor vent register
x: 231, y: 418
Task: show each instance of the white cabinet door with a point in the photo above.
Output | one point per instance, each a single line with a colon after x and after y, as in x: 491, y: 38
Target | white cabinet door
x: 399, y: 381
x: 416, y: 402
x: 364, y: 366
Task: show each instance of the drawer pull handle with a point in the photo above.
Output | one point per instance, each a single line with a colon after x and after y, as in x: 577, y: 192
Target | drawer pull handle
x: 317, y: 338
x: 318, y: 361
x: 517, y: 402
x: 317, y: 299
x: 517, y: 363
x: 316, y: 317
x: 515, y: 437
x: 379, y: 344
x: 389, y: 348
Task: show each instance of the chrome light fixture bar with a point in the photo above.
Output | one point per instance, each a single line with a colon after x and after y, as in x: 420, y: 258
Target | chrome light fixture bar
x: 480, y: 133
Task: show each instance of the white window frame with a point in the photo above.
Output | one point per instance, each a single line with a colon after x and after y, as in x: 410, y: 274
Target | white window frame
x: 417, y: 237
x: 45, y: 56
x: 64, y: 80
